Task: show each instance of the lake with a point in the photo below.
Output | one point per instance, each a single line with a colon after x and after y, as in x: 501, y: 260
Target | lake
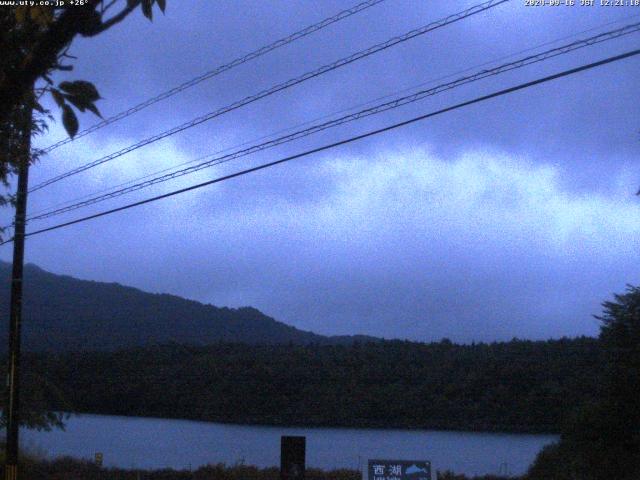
x: 150, y: 443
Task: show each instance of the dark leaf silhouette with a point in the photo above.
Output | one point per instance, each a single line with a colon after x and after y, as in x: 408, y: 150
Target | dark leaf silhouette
x: 58, y: 97
x: 147, y: 9
x: 80, y: 88
x: 69, y: 120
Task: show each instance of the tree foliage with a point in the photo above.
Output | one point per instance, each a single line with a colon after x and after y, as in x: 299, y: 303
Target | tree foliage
x: 34, y: 44
x: 602, y: 441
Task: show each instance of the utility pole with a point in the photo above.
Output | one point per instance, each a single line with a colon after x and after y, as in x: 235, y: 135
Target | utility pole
x: 12, y: 410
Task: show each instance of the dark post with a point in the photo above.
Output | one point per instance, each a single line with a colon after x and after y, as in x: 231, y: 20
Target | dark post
x: 15, y: 311
x: 292, y: 458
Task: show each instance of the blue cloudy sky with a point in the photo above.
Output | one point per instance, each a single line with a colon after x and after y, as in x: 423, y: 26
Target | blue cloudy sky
x: 513, y: 217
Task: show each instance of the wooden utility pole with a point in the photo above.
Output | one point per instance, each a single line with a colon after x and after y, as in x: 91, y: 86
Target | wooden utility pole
x: 15, y: 312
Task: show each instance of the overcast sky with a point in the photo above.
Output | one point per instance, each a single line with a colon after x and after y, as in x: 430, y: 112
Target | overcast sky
x: 515, y: 217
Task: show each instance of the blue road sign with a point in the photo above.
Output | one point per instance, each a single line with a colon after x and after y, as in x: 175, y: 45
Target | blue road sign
x: 399, y: 470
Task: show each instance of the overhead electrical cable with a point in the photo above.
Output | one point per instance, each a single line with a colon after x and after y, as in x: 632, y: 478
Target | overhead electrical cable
x: 279, y: 87
x: 383, y: 107
x: 325, y: 116
x: 457, y: 106
x: 220, y: 69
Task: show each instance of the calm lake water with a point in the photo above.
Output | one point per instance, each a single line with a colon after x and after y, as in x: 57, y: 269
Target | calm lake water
x: 157, y: 443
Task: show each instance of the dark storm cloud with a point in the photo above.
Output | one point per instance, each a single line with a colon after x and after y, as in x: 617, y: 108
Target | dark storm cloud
x: 510, y: 218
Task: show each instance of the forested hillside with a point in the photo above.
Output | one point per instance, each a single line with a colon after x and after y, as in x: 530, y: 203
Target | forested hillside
x: 62, y: 313
x: 118, y: 350
x: 513, y: 386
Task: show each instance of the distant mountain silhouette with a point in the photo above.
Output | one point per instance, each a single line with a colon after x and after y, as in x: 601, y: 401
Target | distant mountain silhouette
x: 62, y: 313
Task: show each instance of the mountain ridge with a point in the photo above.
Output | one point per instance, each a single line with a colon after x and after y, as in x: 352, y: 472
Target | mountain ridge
x: 63, y: 313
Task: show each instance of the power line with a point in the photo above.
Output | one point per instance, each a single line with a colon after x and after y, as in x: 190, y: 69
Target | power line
x: 499, y: 93
x: 294, y: 81
x: 281, y: 86
x: 396, y: 103
x: 221, y: 69
x: 329, y: 115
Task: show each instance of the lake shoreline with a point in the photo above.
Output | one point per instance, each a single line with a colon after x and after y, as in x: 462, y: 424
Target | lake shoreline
x: 359, y: 425
x: 144, y: 443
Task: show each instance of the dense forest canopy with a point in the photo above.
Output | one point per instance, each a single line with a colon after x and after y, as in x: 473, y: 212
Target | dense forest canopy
x: 514, y: 386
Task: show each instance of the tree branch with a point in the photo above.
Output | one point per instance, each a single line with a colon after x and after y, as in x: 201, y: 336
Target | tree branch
x: 44, y: 55
x: 115, y: 19
x: 105, y: 8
